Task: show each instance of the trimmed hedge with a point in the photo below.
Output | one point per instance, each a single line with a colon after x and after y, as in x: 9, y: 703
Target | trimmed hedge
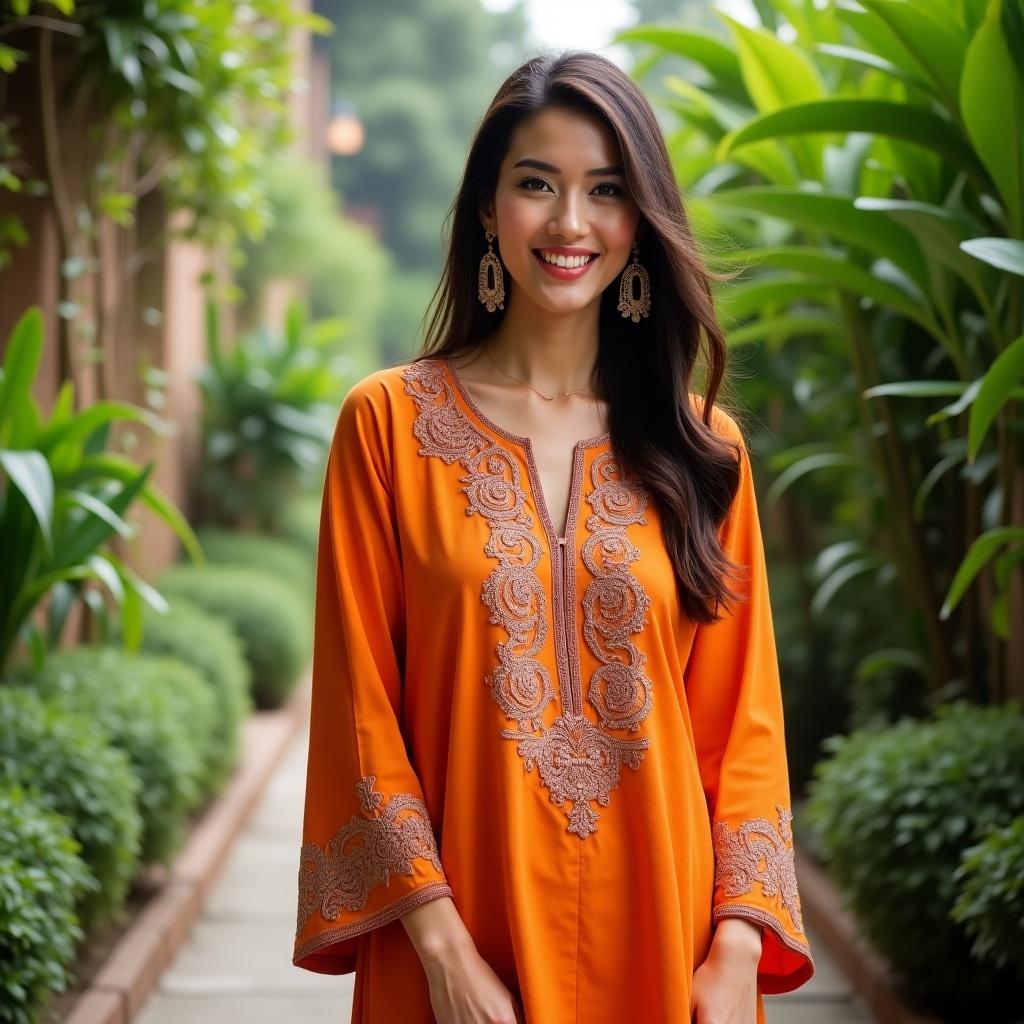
x: 269, y: 618
x: 77, y: 772
x: 159, y: 711
x: 281, y: 559
x: 893, y: 811
x: 991, y: 901
x: 42, y: 877
x: 210, y: 646
x: 300, y: 524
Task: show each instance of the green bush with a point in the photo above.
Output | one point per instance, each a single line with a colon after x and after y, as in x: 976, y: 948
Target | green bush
x: 893, y: 811
x: 991, y: 901
x: 158, y: 711
x: 261, y: 551
x: 41, y: 879
x: 211, y: 647
x: 78, y: 773
x: 270, y: 619
x: 300, y: 524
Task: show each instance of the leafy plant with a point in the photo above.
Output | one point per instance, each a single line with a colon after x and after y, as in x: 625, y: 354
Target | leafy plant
x: 270, y: 619
x: 863, y: 165
x: 69, y: 762
x: 894, y: 810
x: 269, y: 406
x: 41, y: 879
x: 159, y: 711
x: 210, y: 646
x: 991, y: 900
x: 63, y: 497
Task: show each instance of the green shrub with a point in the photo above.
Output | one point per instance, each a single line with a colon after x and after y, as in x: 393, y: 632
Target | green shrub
x: 156, y: 709
x: 41, y: 879
x: 261, y: 551
x: 893, y: 810
x: 300, y: 524
x: 991, y: 900
x: 270, y: 619
x: 211, y: 647
x: 78, y: 773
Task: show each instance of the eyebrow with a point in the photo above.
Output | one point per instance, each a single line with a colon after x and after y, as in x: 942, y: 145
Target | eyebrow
x: 540, y: 165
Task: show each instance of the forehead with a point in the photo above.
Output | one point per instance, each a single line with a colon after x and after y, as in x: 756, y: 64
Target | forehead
x: 569, y: 139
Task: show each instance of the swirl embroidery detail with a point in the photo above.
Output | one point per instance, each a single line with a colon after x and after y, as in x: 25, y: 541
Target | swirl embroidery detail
x: 365, y: 853
x: 757, y: 851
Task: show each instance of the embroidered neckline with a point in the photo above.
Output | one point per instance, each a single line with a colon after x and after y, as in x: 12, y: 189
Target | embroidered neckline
x: 524, y: 442
x: 577, y: 760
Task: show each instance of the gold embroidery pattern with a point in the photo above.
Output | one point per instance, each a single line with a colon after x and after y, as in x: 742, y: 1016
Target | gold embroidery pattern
x: 520, y: 684
x: 757, y: 851
x: 576, y: 760
x: 342, y: 876
x: 615, y: 604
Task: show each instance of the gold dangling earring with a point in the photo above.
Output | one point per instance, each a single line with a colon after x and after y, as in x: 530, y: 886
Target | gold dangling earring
x: 629, y: 305
x: 492, y: 296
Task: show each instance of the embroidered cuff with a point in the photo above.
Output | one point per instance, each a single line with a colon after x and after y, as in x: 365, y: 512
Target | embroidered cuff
x: 757, y: 851
x: 380, y: 842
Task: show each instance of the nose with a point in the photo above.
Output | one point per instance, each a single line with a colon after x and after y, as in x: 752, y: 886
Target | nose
x: 568, y: 219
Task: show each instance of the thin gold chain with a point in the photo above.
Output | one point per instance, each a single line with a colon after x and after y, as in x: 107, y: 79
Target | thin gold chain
x: 547, y: 398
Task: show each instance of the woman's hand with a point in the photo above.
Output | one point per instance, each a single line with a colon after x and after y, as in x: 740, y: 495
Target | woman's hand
x: 725, y: 984
x: 464, y: 989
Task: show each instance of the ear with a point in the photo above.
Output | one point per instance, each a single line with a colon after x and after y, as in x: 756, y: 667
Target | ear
x: 487, y: 219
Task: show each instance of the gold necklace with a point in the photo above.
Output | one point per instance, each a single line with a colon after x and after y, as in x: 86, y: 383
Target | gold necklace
x: 547, y: 398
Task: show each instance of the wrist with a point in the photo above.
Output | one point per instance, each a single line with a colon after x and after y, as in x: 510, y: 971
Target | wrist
x: 738, y: 937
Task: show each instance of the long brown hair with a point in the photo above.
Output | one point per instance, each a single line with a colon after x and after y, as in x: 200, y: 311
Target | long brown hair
x: 643, y: 369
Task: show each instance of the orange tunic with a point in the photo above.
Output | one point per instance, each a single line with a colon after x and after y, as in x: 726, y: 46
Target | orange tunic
x: 531, y: 725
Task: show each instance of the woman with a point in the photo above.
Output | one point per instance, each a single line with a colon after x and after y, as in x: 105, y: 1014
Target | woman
x: 547, y: 777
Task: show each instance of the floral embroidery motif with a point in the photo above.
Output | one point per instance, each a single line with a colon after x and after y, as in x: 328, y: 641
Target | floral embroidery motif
x: 576, y: 760
x: 520, y: 684
x: 615, y: 604
x: 342, y: 876
x: 759, y: 852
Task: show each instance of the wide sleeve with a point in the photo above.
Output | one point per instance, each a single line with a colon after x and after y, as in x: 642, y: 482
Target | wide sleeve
x: 735, y: 701
x: 369, y: 853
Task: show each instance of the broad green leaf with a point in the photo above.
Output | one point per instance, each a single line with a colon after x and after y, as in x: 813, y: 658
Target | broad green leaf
x: 866, y: 58
x: 85, y: 537
x: 992, y: 107
x: 839, y: 578
x: 736, y: 301
x: 811, y: 464
x: 996, y: 389
x: 778, y: 75
x: 836, y: 268
x: 918, y: 389
x: 112, y: 466
x: 107, y: 574
x: 786, y: 327
x: 24, y: 350
x: 30, y: 473
x: 979, y: 554
x: 99, y: 508
x: 850, y: 114
x: 699, y: 45
x: 936, y: 43
x: 835, y: 214
x: 1001, y: 253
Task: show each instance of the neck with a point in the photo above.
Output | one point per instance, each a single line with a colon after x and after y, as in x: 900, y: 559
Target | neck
x: 553, y: 352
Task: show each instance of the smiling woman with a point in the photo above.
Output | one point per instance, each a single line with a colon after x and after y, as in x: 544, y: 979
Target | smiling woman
x: 547, y: 773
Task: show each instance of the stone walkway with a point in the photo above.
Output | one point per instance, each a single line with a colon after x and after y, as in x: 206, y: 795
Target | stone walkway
x: 236, y: 966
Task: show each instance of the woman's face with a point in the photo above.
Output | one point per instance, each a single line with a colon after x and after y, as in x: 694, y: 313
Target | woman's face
x: 561, y: 190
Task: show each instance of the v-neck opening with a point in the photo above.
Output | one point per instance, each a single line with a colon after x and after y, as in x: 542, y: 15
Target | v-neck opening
x: 540, y: 499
